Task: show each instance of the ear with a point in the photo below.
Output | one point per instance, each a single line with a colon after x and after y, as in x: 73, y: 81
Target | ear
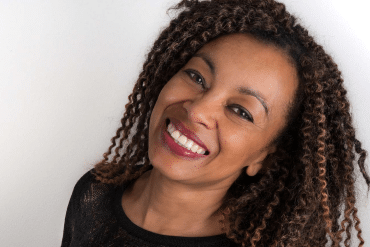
x: 256, y: 166
x: 253, y: 169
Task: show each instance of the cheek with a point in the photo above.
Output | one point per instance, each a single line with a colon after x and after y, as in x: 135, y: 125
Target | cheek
x: 235, y: 144
x: 164, y: 98
x: 236, y: 140
x: 176, y: 90
x: 156, y: 114
x: 242, y: 147
x: 173, y: 92
x: 167, y: 95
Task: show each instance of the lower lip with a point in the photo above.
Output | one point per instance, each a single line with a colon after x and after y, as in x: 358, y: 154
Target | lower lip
x: 176, y: 148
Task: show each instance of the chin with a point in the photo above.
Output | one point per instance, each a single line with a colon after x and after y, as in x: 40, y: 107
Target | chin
x: 174, y: 169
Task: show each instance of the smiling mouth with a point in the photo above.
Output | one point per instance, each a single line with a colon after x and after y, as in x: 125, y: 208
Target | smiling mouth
x: 184, y: 140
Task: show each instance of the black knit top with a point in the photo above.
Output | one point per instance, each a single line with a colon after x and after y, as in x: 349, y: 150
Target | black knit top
x: 95, y: 217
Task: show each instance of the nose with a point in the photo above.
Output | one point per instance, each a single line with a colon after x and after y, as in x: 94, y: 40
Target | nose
x: 204, y: 110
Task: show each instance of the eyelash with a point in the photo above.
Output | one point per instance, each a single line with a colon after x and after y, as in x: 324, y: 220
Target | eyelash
x: 193, y: 74
x: 197, y: 78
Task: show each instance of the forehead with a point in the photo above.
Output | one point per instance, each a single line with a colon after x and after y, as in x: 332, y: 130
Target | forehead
x: 242, y: 49
x: 242, y: 60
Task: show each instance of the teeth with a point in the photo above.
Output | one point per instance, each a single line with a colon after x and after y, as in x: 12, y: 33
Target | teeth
x: 194, y: 148
x: 189, y: 144
x: 184, y: 141
x: 171, y: 128
x: 175, y: 134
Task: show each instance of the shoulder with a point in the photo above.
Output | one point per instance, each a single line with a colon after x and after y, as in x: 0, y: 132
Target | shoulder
x: 88, y: 190
x: 87, y: 178
x: 84, y: 182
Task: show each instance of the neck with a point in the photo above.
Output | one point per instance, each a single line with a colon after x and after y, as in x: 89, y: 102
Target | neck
x: 169, y: 207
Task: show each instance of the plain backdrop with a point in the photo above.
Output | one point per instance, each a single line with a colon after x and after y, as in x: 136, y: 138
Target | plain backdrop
x: 66, y: 70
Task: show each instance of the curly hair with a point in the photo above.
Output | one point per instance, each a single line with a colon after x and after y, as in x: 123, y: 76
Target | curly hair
x: 309, y: 181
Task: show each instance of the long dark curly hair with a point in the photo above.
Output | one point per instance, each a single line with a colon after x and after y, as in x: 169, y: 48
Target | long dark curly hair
x: 309, y: 181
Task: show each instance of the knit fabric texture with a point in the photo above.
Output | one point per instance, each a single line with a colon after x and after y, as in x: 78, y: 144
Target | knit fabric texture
x: 95, y: 217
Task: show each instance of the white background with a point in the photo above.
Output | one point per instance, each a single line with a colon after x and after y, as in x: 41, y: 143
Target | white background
x: 66, y: 69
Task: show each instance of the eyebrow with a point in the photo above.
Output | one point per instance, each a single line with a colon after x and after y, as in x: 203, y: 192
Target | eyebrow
x: 241, y: 90
x: 257, y: 95
x: 207, y: 60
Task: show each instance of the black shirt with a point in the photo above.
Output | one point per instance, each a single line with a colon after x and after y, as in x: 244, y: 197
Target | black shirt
x: 95, y: 217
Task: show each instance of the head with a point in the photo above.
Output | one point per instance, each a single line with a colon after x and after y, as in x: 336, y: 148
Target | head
x: 303, y: 171
x: 234, y: 94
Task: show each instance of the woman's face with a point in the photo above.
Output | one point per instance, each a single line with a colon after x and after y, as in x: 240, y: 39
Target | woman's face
x: 232, y: 98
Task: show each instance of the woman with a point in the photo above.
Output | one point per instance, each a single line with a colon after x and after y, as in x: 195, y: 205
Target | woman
x: 237, y: 133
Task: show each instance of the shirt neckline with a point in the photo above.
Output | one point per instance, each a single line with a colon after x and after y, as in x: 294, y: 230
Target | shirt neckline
x: 159, y: 239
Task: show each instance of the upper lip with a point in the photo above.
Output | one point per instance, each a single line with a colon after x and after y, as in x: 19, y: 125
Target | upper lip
x: 188, y: 133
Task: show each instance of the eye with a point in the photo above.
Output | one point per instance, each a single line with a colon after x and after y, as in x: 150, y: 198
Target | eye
x: 240, y: 111
x: 196, y: 77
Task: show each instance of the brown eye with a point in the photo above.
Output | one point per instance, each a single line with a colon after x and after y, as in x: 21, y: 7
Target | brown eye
x: 196, y: 77
x: 241, y: 112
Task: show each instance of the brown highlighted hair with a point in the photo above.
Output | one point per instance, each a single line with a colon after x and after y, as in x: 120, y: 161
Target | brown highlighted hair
x: 310, y: 181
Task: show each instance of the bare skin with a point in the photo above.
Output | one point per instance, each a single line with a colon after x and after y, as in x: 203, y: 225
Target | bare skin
x: 163, y: 208
x: 182, y: 197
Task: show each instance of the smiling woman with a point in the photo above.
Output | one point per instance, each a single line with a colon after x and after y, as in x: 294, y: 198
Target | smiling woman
x: 237, y: 133
x: 236, y: 127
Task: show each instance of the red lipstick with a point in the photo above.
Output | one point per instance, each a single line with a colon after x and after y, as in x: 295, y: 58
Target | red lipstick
x: 176, y: 148
x: 188, y: 133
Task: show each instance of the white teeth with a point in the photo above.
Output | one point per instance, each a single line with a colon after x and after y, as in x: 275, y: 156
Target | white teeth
x: 189, y: 144
x: 183, y: 140
x: 194, y: 148
x: 171, y: 128
x: 176, y: 134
